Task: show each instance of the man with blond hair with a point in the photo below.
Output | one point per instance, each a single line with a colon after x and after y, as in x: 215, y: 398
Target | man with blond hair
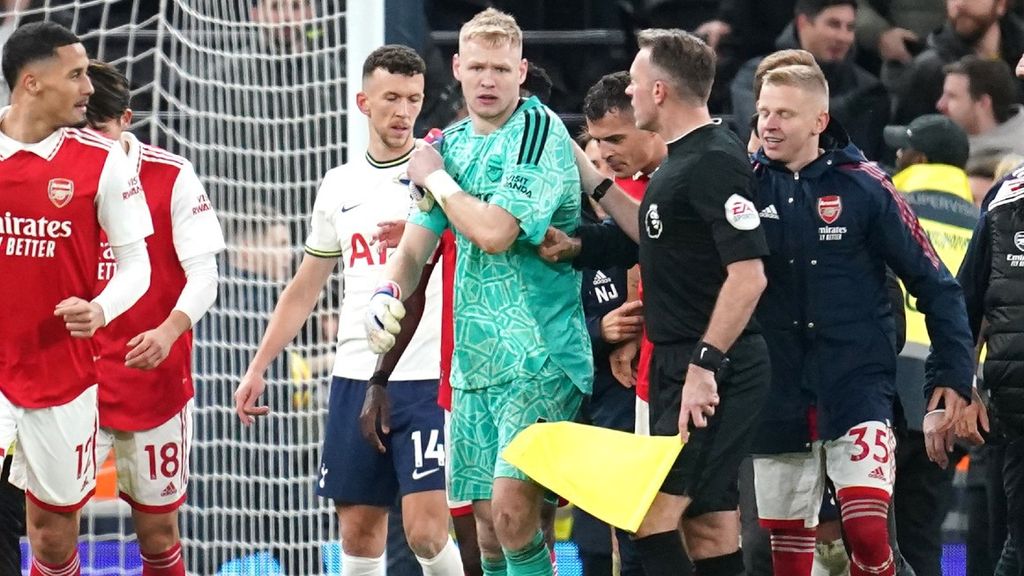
x: 522, y: 352
x: 833, y: 222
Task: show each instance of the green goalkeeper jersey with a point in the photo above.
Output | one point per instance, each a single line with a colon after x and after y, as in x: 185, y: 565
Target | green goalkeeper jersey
x: 514, y: 310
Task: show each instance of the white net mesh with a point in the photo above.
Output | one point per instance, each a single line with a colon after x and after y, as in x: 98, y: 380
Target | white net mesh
x: 253, y: 93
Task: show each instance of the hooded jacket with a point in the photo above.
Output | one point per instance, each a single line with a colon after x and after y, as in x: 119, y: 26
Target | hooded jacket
x: 826, y: 314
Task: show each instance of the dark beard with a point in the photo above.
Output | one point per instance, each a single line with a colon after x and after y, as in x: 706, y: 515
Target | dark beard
x: 972, y: 37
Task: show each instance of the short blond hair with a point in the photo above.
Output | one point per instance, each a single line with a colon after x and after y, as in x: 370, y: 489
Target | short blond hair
x: 492, y: 27
x: 800, y: 76
x: 779, y: 59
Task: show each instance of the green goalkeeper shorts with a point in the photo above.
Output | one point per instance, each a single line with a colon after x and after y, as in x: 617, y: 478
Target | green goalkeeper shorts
x: 484, y: 422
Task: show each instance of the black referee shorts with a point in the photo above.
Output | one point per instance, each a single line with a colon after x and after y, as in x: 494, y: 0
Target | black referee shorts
x: 707, y: 467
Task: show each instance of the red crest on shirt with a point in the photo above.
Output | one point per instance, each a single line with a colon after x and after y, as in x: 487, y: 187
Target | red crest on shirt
x: 60, y: 191
x: 829, y: 208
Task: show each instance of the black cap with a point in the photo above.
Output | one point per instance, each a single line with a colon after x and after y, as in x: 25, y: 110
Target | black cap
x: 933, y: 135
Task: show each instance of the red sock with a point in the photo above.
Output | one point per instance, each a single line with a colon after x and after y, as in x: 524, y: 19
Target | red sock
x: 70, y: 567
x: 792, y: 551
x: 166, y: 563
x: 865, y: 513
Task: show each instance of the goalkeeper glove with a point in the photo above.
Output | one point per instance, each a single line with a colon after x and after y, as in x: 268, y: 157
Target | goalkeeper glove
x: 422, y: 197
x: 382, y: 317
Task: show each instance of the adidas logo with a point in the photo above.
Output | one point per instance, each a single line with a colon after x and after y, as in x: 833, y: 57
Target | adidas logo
x: 600, y: 279
x: 877, y: 474
x: 170, y: 490
x: 770, y: 212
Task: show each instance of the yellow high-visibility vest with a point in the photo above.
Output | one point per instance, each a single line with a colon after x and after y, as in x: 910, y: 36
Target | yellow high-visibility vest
x: 941, y: 198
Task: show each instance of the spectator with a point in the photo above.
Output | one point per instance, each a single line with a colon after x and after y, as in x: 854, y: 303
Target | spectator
x: 741, y: 30
x: 930, y: 158
x: 981, y: 97
x: 747, y: 28
x: 980, y: 27
x: 825, y: 28
x: 894, y: 31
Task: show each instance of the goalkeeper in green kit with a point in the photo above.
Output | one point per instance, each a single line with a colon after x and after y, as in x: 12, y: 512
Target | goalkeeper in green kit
x: 522, y: 352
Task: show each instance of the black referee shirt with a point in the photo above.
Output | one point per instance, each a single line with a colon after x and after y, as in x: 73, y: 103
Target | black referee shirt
x: 696, y: 217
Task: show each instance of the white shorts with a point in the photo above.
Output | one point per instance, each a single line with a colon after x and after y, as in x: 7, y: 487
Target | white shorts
x: 9, y: 414
x: 790, y: 487
x: 55, y: 460
x: 642, y: 426
x: 152, y: 465
x: 457, y: 507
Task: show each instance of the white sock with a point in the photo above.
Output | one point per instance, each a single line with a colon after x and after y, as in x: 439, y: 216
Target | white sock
x: 358, y: 566
x: 448, y: 562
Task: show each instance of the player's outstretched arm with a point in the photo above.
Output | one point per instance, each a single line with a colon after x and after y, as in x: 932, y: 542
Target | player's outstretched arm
x: 619, y: 205
x: 491, y: 228
x: 401, y: 276
x: 293, y: 308
x: 405, y: 267
x: 375, y: 401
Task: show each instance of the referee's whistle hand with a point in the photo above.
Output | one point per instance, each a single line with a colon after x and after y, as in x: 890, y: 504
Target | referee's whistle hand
x: 700, y: 397
x: 248, y: 392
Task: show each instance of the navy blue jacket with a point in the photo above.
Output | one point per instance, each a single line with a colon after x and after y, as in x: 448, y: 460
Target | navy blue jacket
x: 832, y: 228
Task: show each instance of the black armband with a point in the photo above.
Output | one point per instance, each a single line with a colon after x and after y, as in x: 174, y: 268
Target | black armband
x: 708, y: 357
x: 601, y: 189
x: 379, y: 378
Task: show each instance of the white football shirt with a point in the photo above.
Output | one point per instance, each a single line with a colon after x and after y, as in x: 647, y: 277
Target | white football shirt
x: 352, y: 200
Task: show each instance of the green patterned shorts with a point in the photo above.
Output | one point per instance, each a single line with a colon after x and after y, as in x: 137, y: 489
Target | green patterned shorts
x: 484, y: 422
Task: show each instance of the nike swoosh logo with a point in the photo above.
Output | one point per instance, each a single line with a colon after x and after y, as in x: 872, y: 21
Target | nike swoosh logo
x: 347, y: 208
x: 417, y: 475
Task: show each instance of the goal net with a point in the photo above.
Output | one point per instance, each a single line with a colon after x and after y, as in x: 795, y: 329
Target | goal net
x: 253, y: 93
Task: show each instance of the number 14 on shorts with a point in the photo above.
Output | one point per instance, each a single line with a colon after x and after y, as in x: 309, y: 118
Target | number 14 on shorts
x: 432, y: 450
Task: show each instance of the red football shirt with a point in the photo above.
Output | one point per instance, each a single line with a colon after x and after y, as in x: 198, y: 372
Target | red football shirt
x: 447, y: 249
x: 184, y: 226
x: 57, y: 196
x: 635, y: 187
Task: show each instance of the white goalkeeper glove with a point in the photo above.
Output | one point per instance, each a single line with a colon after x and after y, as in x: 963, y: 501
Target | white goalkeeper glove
x: 421, y: 196
x: 382, y: 318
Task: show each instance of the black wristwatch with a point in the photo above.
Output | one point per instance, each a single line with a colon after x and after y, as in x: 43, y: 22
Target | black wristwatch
x: 601, y: 189
x: 708, y: 357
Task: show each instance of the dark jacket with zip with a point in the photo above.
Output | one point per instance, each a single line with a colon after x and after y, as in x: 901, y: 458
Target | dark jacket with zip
x: 826, y: 314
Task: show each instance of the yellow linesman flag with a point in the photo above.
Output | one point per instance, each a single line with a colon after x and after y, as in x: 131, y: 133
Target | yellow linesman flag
x: 612, y: 475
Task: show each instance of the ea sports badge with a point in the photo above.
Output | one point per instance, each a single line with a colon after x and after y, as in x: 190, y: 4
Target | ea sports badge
x: 741, y: 213
x: 60, y: 191
x: 829, y: 208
